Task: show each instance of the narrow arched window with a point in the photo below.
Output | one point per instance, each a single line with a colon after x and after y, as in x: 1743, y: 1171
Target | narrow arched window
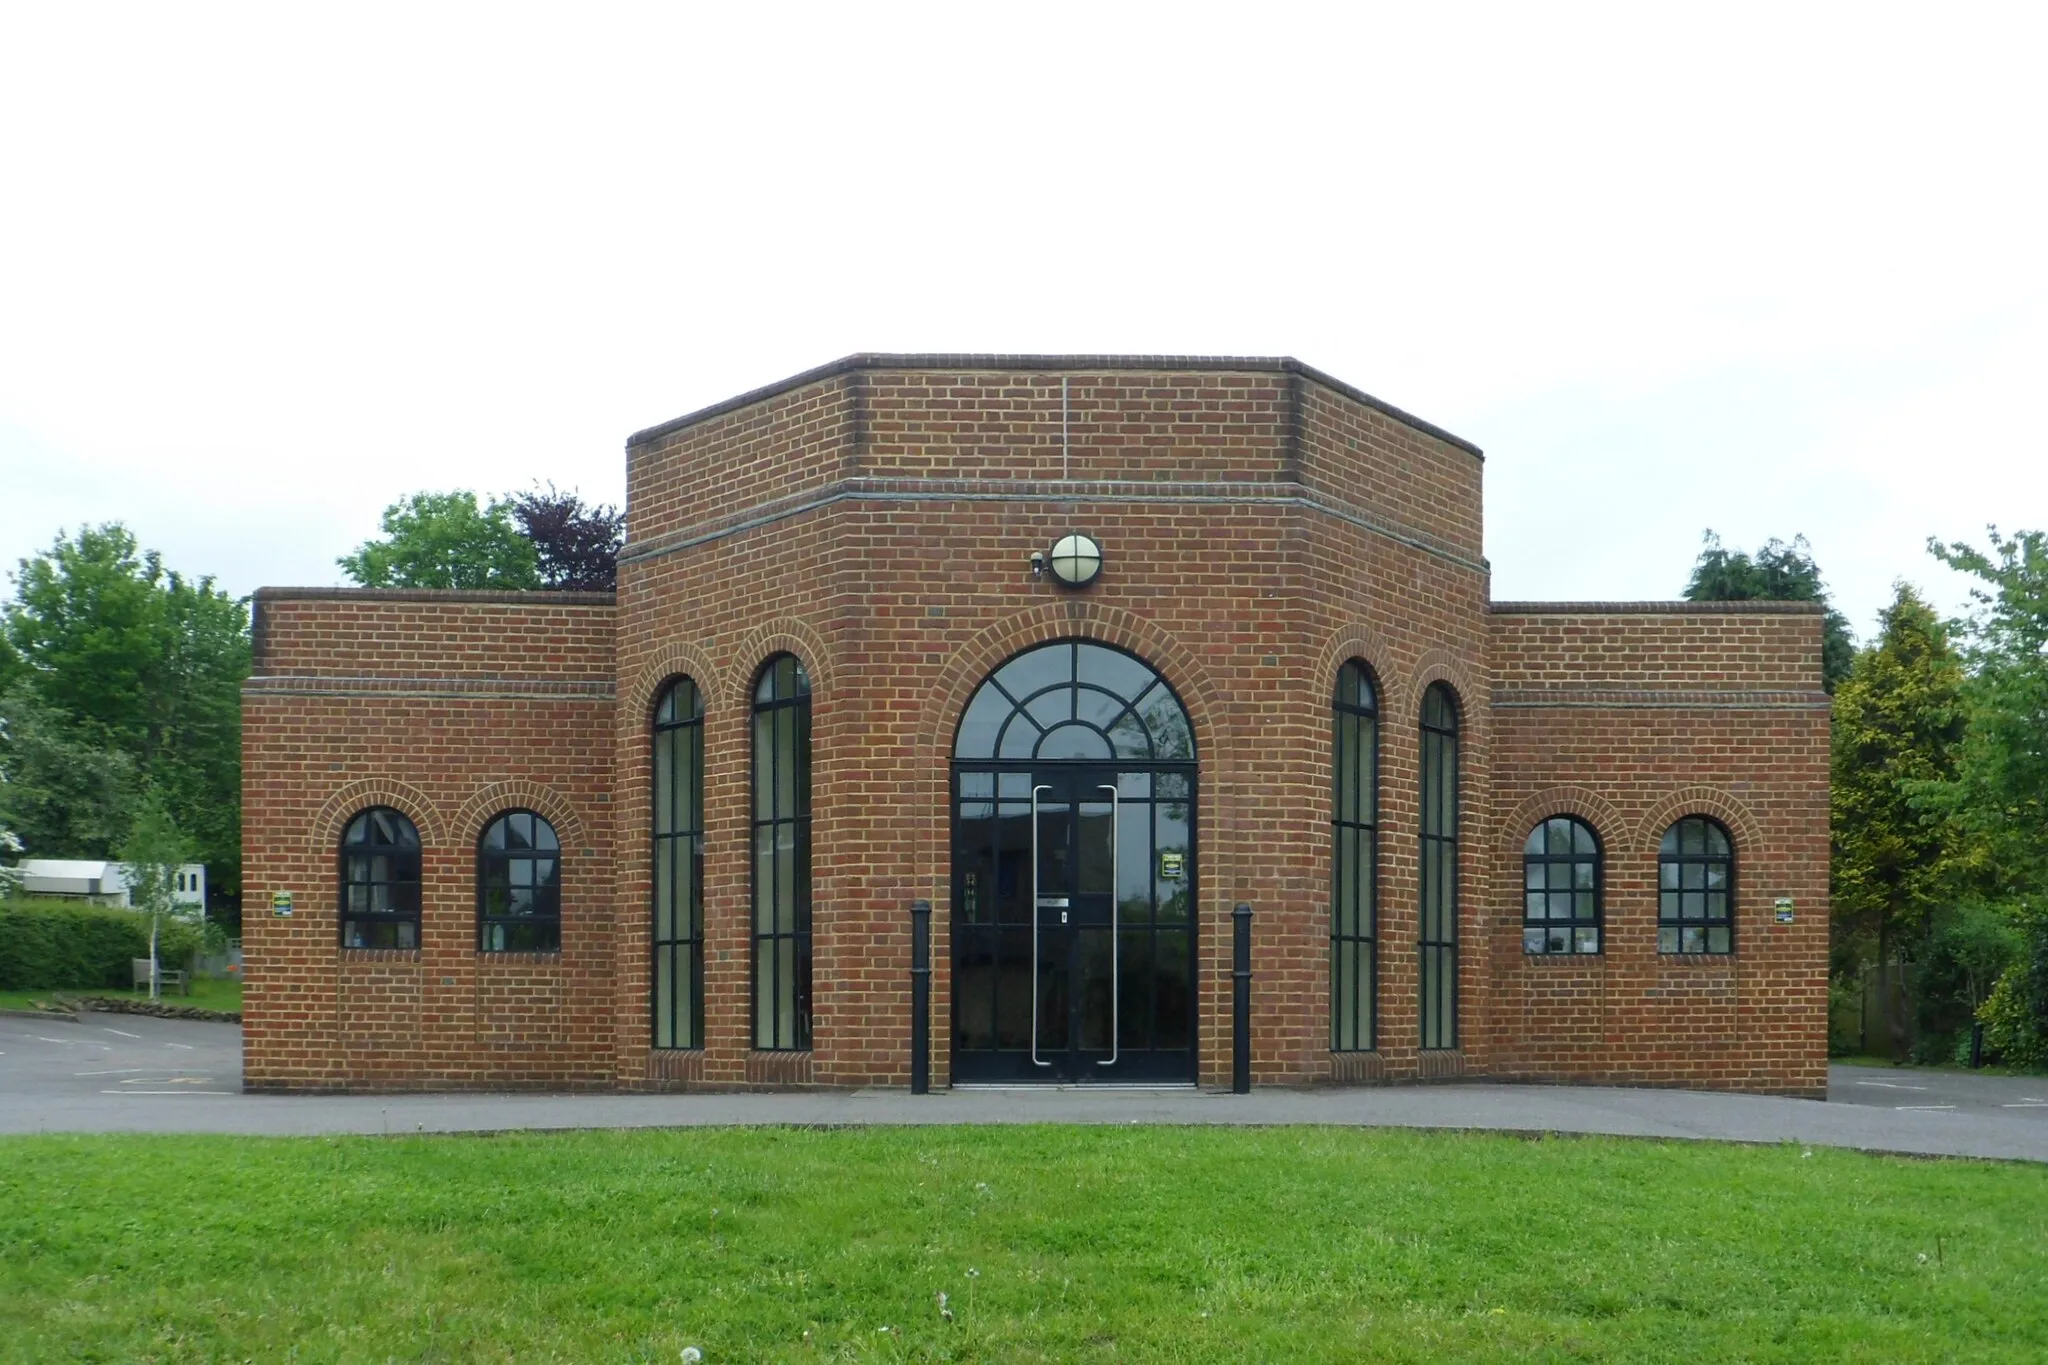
x: 519, y: 885
x: 380, y: 881
x: 1562, y: 882
x: 782, y: 856
x: 1696, y: 888
x: 679, y: 867
x: 1439, y: 879
x: 1354, y: 862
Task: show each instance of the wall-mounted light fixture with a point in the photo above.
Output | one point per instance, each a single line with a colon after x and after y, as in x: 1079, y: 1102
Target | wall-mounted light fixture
x: 1076, y: 560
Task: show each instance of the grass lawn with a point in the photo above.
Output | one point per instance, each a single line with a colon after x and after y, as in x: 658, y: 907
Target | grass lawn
x: 207, y: 993
x: 1187, y: 1244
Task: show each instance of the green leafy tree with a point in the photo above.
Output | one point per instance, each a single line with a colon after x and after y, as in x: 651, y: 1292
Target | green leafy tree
x: 1898, y: 721
x: 63, y: 796
x: 154, y: 851
x: 444, y: 540
x: 1776, y: 573
x: 10, y: 875
x: 126, y: 663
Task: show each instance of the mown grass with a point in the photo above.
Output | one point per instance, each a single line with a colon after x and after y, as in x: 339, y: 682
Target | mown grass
x: 213, y: 993
x: 1179, y: 1244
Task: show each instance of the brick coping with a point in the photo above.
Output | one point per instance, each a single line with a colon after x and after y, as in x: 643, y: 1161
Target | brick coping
x: 1227, y: 364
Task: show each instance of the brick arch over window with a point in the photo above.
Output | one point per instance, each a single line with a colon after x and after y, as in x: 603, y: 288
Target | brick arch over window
x: 1587, y: 805
x: 1440, y: 666
x: 1710, y: 801
x: 1369, y: 647
x: 520, y: 794
x: 345, y: 804
x: 784, y: 635
x: 979, y: 656
x: 653, y: 676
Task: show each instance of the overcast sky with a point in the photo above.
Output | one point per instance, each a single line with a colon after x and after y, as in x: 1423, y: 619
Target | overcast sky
x: 1769, y: 270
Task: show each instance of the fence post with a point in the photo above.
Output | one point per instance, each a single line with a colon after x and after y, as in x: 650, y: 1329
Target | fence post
x: 1241, y: 1000
x: 920, y: 997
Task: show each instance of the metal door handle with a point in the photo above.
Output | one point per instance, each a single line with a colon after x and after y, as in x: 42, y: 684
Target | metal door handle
x: 1116, y: 973
x: 1035, y: 1060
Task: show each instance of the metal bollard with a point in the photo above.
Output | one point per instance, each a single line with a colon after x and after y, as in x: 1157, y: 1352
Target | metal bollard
x: 920, y: 997
x: 1241, y: 1000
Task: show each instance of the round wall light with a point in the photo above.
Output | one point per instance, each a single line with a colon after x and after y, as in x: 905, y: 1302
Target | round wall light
x: 1076, y: 560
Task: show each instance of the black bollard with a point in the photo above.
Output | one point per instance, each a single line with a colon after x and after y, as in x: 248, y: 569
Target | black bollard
x: 920, y: 997
x: 1241, y: 1001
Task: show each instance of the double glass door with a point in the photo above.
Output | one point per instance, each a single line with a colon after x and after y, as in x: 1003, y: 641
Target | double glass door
x: 1073, y: 942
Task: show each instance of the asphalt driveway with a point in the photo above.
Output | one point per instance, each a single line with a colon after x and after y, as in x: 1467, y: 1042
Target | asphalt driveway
x: 129, y: 1073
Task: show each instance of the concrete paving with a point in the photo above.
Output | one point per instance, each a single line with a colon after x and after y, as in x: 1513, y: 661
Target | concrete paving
x: 124, y: 1073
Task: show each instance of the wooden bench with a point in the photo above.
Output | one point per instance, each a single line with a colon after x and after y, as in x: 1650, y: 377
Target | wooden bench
x: 166, y: 978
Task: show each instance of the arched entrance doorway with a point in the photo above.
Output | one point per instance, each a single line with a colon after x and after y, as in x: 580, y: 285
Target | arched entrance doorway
x: 1074, y: 784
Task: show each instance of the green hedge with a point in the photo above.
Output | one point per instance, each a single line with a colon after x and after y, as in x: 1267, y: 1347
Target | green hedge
x: 66, y: 945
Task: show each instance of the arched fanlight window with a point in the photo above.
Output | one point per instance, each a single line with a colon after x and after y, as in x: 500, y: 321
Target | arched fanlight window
x: 380, y: 881
x: 1439, y: 881
x: 1354, y: 862
x: 1562, y: 884
x: 678, y: 1002
x: 519, y: 885
x: 1075, y: 699
x: 1696, y: 888
x: 782, y: 856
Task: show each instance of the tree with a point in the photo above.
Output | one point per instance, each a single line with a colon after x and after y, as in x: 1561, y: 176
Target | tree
x: 1776, y: 573
x: 444, y: 540
x: 10, y: 876
x: 154, y: 851
x: 1898, y: 721
x: 576, y: 545
x: 128, y: 674
x: 63, y: 796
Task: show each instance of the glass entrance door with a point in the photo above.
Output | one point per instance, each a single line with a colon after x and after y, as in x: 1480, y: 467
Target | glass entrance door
x: 1073, y: 943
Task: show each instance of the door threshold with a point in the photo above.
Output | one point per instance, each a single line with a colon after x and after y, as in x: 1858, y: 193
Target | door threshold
x: 1042, y: 1086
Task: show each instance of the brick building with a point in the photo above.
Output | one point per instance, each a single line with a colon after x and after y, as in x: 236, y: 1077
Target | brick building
x: 1083, y: 651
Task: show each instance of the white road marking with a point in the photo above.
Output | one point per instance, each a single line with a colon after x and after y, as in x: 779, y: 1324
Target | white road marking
x: 167, y: 1092
x: 116, y: 1071
x: 186, y: 1046
x: 2026, y: 1104
x: 1887, y: 1085
x: 169, y: 1080
x: 1923, y: 1107
x: 105, y: 1029
x: 66, y: 1041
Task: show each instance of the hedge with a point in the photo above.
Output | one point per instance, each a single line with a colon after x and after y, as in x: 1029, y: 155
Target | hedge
x: 67, y: 945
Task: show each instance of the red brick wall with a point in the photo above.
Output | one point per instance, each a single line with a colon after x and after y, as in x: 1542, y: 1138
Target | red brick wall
x: 450, y: 707
x: 1261, y: 525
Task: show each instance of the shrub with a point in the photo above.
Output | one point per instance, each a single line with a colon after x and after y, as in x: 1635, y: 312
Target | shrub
x: 1969, y: 950
x: 2015, y: 1017
x: 65, y: 945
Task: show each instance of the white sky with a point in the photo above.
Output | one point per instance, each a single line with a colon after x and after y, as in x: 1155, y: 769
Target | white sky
x: 1776, y: 269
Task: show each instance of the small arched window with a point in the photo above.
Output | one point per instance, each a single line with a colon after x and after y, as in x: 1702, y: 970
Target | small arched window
x: 519, y: 885
x: 380, y: 881
x: 1439, y: 881
x: 1354, y: 862
x: 1561, y: 888
x: 1696, y: 888
x: 782, y: 856
x: 679, y: 867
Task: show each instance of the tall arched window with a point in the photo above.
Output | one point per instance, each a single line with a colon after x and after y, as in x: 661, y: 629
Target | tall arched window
x: 1439, y: 881
x: 519, y: 885
x: 679, y: 866
x: 1696, y: 888
x: 1354, y: 862
x: 782, y: 856
x: 1562, y: 883
x: 380, y: 881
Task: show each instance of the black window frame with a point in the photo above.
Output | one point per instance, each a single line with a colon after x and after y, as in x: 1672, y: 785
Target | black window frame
x: 679, y: 849
x: 1672, y: 866
x: 495, y: 872
x: 781, y: 688
x: 1541, y: 887
x: 1438, y: 874
x: 403, y: 921
x: 1354, y: 819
